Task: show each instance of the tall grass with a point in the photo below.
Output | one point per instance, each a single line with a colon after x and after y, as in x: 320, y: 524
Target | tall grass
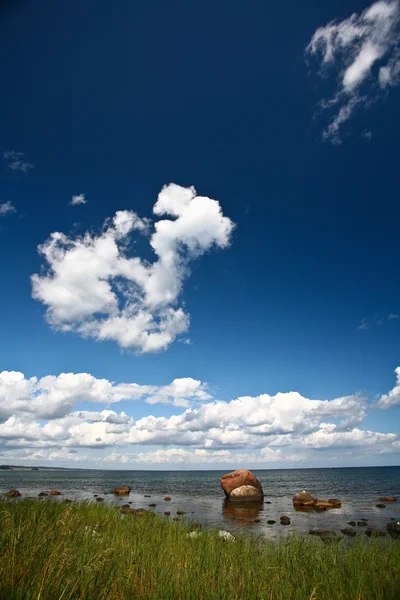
x: 50, y: 551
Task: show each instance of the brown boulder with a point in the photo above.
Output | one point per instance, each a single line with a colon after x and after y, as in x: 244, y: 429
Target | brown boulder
x: 167, y: 498
x: 387, y: 499
x: 236, y: 479
x: 303, y: 499
x: 13, y: 494
x: 335, y: 502
x: 55, y: 493
x: 122, y: 490
x: 349, y: 531
x: 42, y: 494
x: 285, y: 520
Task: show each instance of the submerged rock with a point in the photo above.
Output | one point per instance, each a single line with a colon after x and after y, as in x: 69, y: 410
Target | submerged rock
x: 352, y: 523
x: 239, y: 478
x: 13, y: 494
x: 42, y: 494
x: 271, y: 522
x: 167, y: 498
x: 373, y: 532
x: 326, y: 535
x: 98, y: 499
x: 387, y: 499
x: 349, y: 531
x: 122, y: 490
x: 381, y: 506
x: 362, y: 523
x: 285, y: 520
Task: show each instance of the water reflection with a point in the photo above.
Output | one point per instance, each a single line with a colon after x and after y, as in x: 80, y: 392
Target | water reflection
x: 242, y: 512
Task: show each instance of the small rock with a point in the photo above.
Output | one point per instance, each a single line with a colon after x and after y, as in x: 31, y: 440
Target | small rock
x: 153, y: 505
x: 335, y: 502
x: 176, y: 519
x: 95, y: 495
x: 387, y: 499
x: 55, y: 493
x: 13, y: 494
x: 147, y: 496
x: 271, y: 522
x: 348, y: 531
x: 167, y: 498
x: 393, y: 529
x: 122, y: 490
x: 285, y: 520
x: 180, y: 512
x: 362, y: 523
x: 225, y: 535
x: 381, y: 506
x: 42, y: 494
x: 366, y: 520
x: 167, y: 513
x: 257, y: 520
x: 303, y: 499
x: 352, y: 523
x: 267, y: 502
x: 98, y: 499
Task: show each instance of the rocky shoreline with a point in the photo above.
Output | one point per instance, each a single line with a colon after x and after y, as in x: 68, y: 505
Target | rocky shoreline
x: 245, y: 504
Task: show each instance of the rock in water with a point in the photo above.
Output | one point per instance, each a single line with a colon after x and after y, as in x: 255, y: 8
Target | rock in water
x: 285, y: 520
x: 245, y: 492
x: 349, y: 531
x: 122, y: 490
x: 393, y: 529
x: 303, y: 499
x: 325, y: 535
x: 387, y: 499
x: 13, y: 494
x: 238, y: 478
x: 373, y: 532
x: 381, y: 506
x: 55, y: 493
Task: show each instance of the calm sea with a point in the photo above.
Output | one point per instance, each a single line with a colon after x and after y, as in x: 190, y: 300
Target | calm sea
x: 199, y: 494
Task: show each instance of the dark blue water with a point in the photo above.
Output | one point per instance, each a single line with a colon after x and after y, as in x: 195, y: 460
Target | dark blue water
x: 199, y: 494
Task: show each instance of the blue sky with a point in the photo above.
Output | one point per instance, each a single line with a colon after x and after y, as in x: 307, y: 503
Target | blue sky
x: 274, y: 282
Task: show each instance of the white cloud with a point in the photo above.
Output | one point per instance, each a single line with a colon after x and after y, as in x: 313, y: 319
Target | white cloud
x: 52, y: 397
x: 17, y: 161
x: 7, y: 208
x: 42, y: 414
x: 78, y: 199
x: 355, y: 46
x: 392, y: 398
x: 92, y: 286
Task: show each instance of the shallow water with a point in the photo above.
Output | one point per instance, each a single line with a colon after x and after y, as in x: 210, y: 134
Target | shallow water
x: 199, y: 494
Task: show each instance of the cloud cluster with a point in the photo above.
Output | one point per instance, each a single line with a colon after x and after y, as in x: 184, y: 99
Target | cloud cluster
x: 93, y: 287
x: 78, y: 199
x: 392, y: 398
x: 7, y: 208
x: 44, y: 415
x: 365, y: 52
x: 17, y: 161
x: 377, y: 320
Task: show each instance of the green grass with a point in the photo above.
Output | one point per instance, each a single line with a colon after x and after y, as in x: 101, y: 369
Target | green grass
x: 48, y: 552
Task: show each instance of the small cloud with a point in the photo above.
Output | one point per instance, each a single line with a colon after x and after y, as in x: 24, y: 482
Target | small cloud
x: 17, y: 161
x: 7, y: 208
x: 367, y: 135
x: 392, y: 316
x: 364, y: 324
x: 79, y: 199
x: 363, y: 52
x: 378, y: 321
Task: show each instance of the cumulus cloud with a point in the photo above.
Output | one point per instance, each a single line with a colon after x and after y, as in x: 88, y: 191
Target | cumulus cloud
x: 42, y: 414
x: 392, y: 398
x: 377, y: 321
x: 364, y: 53
x: 78, y: 199
x: 93, y: 287
x: 7, y: 208
x: 17, y: 161
x: 52, y: 397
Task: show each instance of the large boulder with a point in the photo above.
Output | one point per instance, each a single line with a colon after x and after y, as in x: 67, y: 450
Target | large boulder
x: 303, y: 499
x: 387, y: 499
x: 246, y: 493
x: 122, y: 490
x: 239, y: 478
